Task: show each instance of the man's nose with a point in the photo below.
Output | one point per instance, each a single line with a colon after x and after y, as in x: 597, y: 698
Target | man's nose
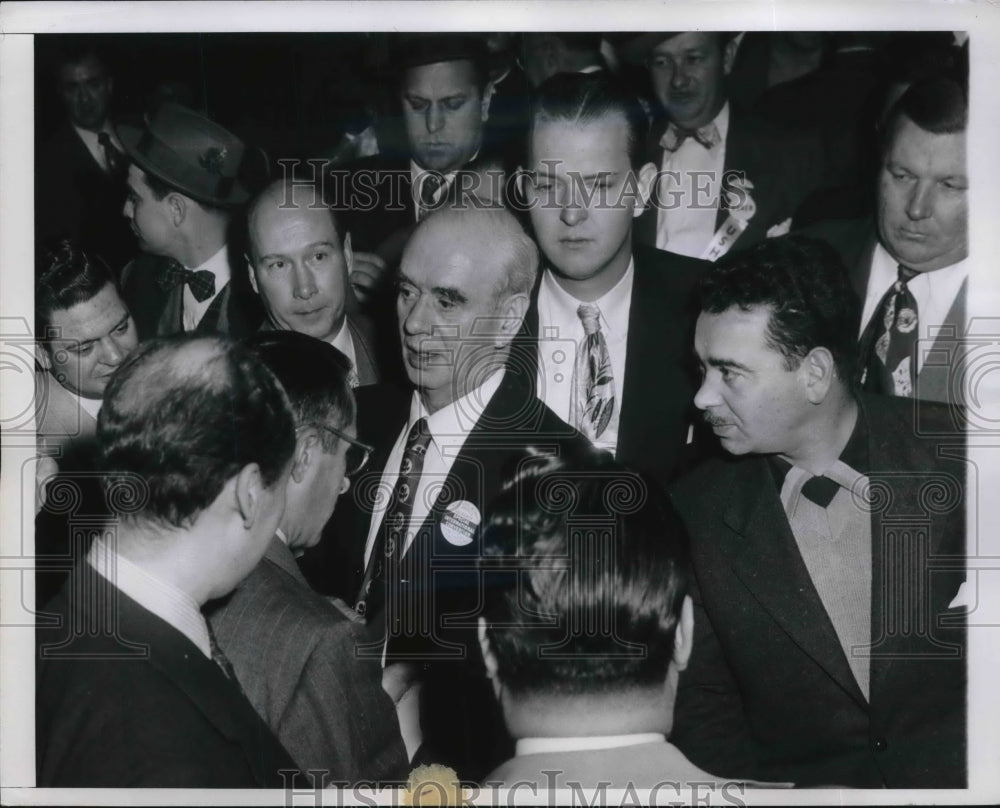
x: 707, y: 396
x: 304, y: 284
x: 434, y: 118
x: 415, y: 318
x: 573, y: 213
x: 112, y: 353
x: 921, y: 202
x: 127, y: 209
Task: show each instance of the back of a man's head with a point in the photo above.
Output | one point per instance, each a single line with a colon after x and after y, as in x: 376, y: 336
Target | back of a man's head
x: 181, y: 417
x: 804, y: 284
x: 602, y: 576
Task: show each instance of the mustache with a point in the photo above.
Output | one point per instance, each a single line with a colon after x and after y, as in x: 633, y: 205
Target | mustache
x: 714, y: 420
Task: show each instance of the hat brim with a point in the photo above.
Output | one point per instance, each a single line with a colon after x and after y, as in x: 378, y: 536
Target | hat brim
x: 131, y: 135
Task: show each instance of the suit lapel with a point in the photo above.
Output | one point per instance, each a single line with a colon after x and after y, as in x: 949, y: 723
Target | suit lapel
x: 172, y: 316
x: 765, y: 557
x: 363, y: 354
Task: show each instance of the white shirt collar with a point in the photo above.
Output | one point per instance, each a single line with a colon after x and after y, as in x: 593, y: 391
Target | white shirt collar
x: 161, y: 598
x: 218, y: 265
x: 617, y: 299
x: 721, y: 122
x: 534, y: 746
x: 90, y: 405
x: 460, y: 416
x: 343, y: 342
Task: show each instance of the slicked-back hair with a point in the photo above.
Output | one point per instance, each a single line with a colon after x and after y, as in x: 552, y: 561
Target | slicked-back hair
x: 579, y: 98
x: 602, y: 571
x: 314, y: 375
x: 937, y: 105
x: 184, y: 415
x: 803, y: 283
x: 65, y: 275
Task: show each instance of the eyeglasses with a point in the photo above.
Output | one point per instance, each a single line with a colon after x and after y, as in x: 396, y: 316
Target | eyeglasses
x: 357, y: 452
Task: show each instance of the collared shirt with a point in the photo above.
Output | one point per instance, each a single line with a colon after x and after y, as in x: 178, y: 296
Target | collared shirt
x: 449, y: 427
x: 163, y: 599
x: 689, y: 194
x: 417, y: 175
x: 90, y: 405
x: 560, y: 330
x: 534, y: 746
x: 194, y: 309
x: 90, y: 140
x: 344, y: 342
x: 934, y: 291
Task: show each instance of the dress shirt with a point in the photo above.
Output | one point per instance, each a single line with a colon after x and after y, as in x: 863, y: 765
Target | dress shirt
x: 90, y: 405
x: 90, y: 140
x: 195, y: 309
x: 934, y: 291
x: 533, y: 746
x: 689, y: 195
x: 560, y: 330
x: 449, y: 427
x: 163, y: 599
x: 417, y: 175
x: 344, y: 343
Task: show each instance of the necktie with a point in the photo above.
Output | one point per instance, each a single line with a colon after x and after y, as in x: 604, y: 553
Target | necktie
x: 384, y: 561
x: 892, y: 365
x: 202, y: 282
x: 112, y: 158
x: 594, y: 388
x: 708, y: 136
x: 432, y: 183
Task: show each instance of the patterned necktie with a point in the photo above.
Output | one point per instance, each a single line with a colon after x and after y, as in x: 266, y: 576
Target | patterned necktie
x: 708, y: 136
x: 112, y: 159
x: 428, y: 191
x: 892, y: 364
x: 202, y: 282
x: 594, y: 388
x: 384, y: 561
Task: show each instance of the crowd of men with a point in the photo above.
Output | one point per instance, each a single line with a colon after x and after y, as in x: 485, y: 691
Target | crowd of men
x: 602, y: 427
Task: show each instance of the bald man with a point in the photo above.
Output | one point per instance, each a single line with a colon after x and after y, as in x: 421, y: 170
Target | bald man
x: 299, y: 265
x: 442, y: 445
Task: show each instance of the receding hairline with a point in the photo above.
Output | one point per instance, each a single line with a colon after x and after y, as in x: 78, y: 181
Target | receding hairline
x: 288, y: 191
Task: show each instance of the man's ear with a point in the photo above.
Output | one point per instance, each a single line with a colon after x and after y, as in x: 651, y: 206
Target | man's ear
x: 484, y: 104
x: 512, y: 312
x: 644, y: 187
x: 249, y: 494
x: 684, y: 634
x: 306, y: 446
x: 817, y: 370
x: 250, y: 272
x: 348, y: 256
x: 42, y: 355
x: 489, y: 658
x: 178, y: 208
x: 729, y: 55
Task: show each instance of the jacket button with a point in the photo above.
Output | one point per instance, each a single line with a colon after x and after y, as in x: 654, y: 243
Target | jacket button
x: 880, y: 744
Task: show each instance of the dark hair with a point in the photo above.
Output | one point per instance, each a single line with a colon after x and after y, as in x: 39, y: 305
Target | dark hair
x: 74, y: 50
x: 804, y: 284
x: 314, y: 375
x: 182, y: 416
x: 601, y: 571
x: 65, y: 275
x: 937, y: 105
x: 584, y: 97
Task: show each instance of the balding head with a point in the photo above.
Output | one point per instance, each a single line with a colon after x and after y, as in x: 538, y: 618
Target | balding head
x: 298, y: 264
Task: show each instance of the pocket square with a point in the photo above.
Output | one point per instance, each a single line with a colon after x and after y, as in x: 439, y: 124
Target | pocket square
x: 780, y: 229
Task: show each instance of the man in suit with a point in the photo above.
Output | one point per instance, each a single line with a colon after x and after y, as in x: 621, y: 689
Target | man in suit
x: 607, y: 334
x: 585, y: 712
x: 183, y: 186
x: 80, y: 176
x: 726, y: 179
x: 196, y: 440
x: 84, y: 332
x: 409, y: 540
x: 829, y: 549
x: 293, y: 649
x: 546, y: 53
x: 299, y: 267
x: 910, y: 266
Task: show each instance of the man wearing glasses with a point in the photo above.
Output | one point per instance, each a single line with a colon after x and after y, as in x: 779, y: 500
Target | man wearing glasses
x: 292, y: 649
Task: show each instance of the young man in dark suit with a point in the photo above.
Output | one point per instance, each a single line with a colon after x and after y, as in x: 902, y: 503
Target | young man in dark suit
x: 405, y: 548
x: 601, y: 303
x: 195, y: 440
x: 183, y: 188
x: 829, y: 549
x: 293, y: 649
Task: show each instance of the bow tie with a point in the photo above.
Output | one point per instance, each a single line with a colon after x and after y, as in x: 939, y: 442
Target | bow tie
x: 201, y: 283
x: 707, y: 135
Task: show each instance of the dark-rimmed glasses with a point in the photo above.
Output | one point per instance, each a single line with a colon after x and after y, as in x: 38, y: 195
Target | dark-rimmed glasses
x: 357, y: 452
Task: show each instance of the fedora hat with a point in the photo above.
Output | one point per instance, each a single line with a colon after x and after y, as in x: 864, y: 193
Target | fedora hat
x: 635, y: 48
x: 188, y: 152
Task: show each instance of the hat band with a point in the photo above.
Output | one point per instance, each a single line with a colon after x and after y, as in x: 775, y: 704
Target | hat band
x: 175, y: 171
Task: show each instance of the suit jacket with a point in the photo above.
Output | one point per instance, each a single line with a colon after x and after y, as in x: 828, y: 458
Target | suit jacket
x: 769, y: 693
x: 782, y: 166
x: 373, y: 195
x: 76, y: 199
x: 124, y: 700
x: 855, y: 241
x: 157, y: 313
x: 657, y: 394
x: 59, y: 419
x: 642, y: 766
x: 293, y: 652
x: 362, y: 335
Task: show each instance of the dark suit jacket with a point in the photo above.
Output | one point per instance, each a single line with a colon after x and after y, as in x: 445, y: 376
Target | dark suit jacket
x: 125, y: 700
x: 855, y: 241
x: 374, y: 199
x: 782, y: 166
x: 658, y: 391
x: 157, y: 313
x: 293, y: 652
x: 769, y: 693
x: 76, y: 199
x: 362, y: 335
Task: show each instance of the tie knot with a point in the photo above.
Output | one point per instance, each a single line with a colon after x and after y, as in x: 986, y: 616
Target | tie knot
x: 104, y: 139
x: 905, y: 274
x: 420, y: 436
x: 590, y: 316
x: 428, y: 190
